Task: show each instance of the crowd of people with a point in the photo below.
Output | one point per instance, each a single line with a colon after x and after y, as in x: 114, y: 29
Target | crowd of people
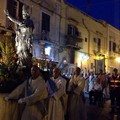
x: 52, y: 96
x: 104, y: 86
x: 52, y: 99
x: 58, y: 98
x: 97, y: 86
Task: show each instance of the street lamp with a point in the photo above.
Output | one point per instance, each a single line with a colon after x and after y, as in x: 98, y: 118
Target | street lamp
x: 47, y: 51
x: 118, y: 59
x: 83, y: 59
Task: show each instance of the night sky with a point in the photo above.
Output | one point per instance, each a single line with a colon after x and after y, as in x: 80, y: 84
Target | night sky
x: 108, y: 10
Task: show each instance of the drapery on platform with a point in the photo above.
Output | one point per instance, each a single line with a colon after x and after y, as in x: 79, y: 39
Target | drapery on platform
x: 10, y: 110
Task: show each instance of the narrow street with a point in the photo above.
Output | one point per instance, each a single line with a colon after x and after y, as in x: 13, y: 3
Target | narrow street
x: 100, y: 113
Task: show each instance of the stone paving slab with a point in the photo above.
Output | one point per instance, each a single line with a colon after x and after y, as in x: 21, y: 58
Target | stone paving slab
x: 95, y: 112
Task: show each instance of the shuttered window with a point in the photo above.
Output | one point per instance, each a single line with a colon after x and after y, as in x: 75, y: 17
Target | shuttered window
x: 45, y: 22
x: 72, y: 30
x: 11, y: 7
x: 114, y: 47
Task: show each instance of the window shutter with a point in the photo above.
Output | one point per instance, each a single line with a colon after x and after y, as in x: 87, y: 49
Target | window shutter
x: 114, y: 46
x: 110, y: 45
x: 45, y: 22
x: 11, y: 7
x: 20, y: 11
x: 69, y: 30
x: 99, y: 42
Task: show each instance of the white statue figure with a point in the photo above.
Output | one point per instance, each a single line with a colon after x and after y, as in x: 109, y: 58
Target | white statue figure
x: 23, y: 38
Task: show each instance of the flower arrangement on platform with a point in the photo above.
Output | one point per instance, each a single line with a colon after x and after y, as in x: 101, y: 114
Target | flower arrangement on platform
x: 7, y: 62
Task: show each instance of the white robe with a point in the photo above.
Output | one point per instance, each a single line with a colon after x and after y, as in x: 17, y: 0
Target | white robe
x: 35, y: 102
x: 56, y: 110
x: 76, y: 106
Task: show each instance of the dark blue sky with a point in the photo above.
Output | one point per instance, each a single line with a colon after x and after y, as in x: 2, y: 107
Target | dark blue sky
x: 108, y: 10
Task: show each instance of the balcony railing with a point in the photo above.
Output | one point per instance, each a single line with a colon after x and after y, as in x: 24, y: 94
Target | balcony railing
x: 73, y: 42
x: 45, y: 36
x: 74, y: 38
x: 45, y: 39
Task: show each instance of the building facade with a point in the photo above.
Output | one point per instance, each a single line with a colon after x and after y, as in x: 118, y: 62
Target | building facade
x: 46, y: 17
x: 85, y: 39
x: 63, y: 32
x: 113, y: 48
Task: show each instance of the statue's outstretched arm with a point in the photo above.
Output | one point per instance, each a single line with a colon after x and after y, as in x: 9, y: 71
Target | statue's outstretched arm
x: 12, y: 19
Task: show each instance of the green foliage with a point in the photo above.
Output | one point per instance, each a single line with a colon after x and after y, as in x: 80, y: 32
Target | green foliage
x: 7, y: 57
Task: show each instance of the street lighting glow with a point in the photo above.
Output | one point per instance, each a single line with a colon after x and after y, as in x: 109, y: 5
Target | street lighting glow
x: 47, y: 50
x: 118, y: 59
x: 85, y: 57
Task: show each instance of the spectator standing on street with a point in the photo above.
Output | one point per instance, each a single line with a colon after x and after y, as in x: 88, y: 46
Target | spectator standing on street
x: 98, y: 92
x: 91, y: 82
x: 114, y: 87
x: 87, y: 82
x: 103, y: 80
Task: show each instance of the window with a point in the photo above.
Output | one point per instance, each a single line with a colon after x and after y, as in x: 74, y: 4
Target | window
x: 11, y: 7
x: 20, y: 10
x: 85, y: 39
x: 59, y: 0
x: 112, y: 46
x: 72, y: 30
x: 99, y: 42
x: 94, y: 40
x: 45, y: 22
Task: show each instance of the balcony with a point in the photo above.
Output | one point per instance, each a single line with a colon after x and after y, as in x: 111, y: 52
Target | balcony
x: 117, y: 51
x: 73, y: 42
x: 45, y: 37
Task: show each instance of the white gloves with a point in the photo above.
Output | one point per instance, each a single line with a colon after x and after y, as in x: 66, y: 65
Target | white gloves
x: 7, y: 98
x: 21, y: 100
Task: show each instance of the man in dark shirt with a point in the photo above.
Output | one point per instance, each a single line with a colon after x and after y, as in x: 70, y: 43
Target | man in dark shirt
x: 114, y: 82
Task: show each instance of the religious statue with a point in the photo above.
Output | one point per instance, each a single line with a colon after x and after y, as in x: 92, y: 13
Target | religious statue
x: 23, y: 40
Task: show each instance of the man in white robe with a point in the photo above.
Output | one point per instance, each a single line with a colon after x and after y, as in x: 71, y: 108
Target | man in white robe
x: 32, y: 93
x: 57, y: 93
x: 76, y: 102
